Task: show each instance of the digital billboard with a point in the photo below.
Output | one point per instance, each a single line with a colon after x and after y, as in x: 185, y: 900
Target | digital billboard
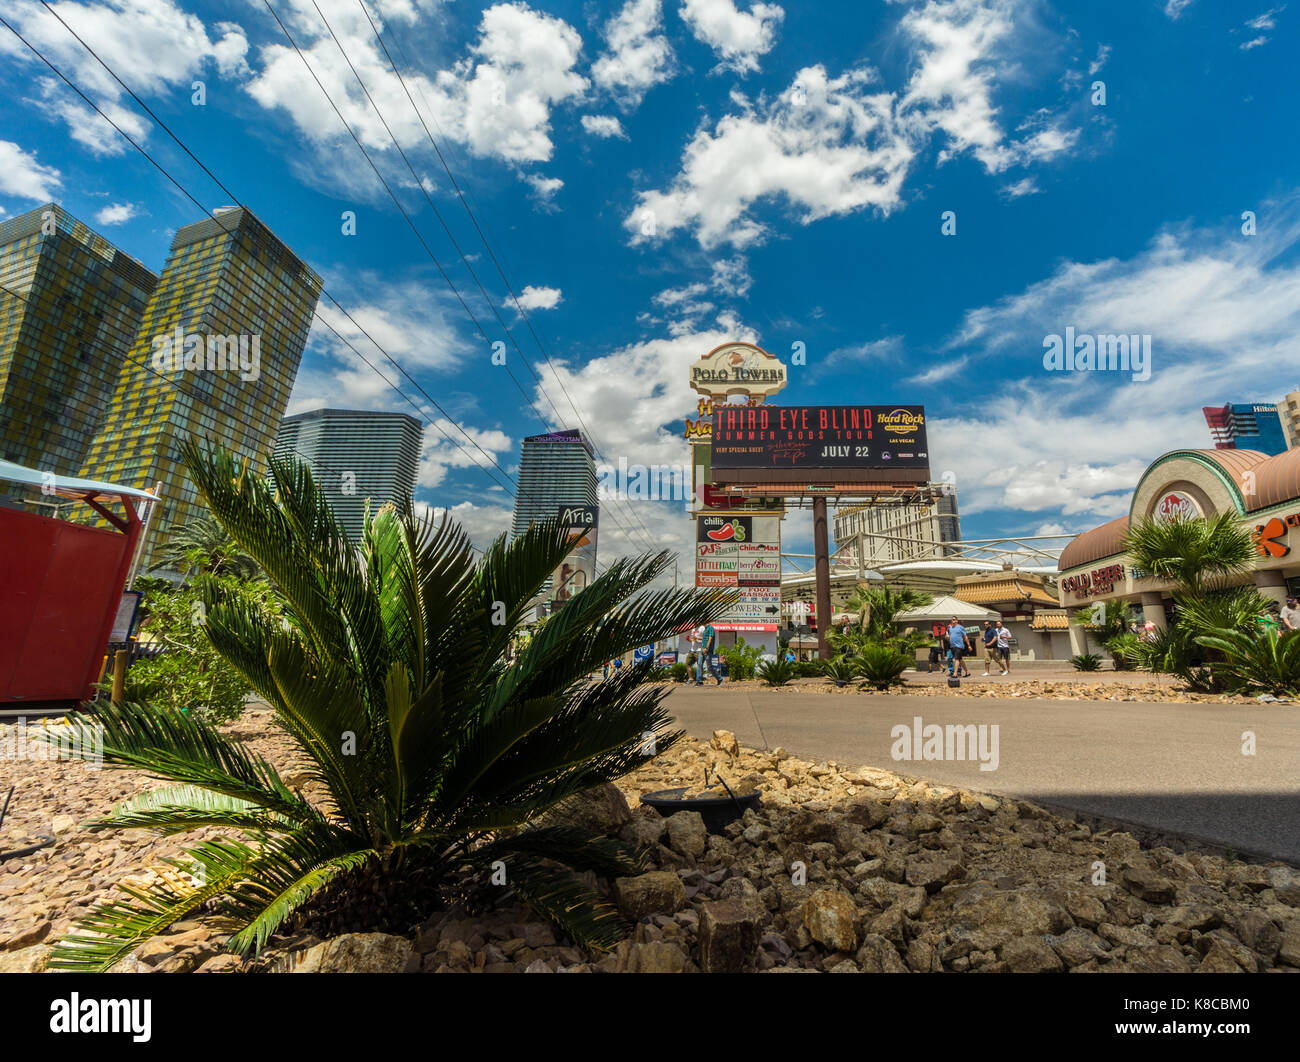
x: 821, y: 437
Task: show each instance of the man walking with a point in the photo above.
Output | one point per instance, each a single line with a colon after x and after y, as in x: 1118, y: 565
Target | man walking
x: 991, y: 655
x: 956, y: 646
x: 1291, y: 615
x: 708, y: 645
x: 1004, y: 646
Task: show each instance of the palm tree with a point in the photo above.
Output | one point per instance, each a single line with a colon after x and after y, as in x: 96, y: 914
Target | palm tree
x: 203, y: 545
x: 436, y: 758
x: 1196, y: 554
x: 876, y: 607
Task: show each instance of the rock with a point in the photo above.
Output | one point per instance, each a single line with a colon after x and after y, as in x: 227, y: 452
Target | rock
x: 538, y: 966
x: 1258, y: 933
x: 810, y: 828
x: 645, y: 828
x: 991, y: 920
x: 933, y: 874
x: 725, y: 741
x: 830, y: 917
x: 25, y: 960
x: 844, y: 966
x: 1147, y: 885
x: 25, y: 938
x: 63, y: 824
x: 657, y: 892
x: 601, y: 809
x: 1160, y: 958
x: 224, y: 963
x: 1218, y: 959
x: 729, y: 933
x: 355, y: 953
x: 1289, y: 947
x: 686, y: 834
x: 1030, y: 955
x: 654, y: 957
x: 1078, y: 946
x: 877, y: 955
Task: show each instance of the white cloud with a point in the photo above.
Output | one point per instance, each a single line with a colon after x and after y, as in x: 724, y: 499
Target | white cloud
x: 116, y: 214
x: 1259, y: 24
x: 1103, y: 53
x: 638, y: 57
x: 539, y: 298
x: 1025, y: 186
x: 1222, y: 311
x: 447, y: 447
x: 21, y: 175
x: 826, y: 145
x: 1175, y: 8
x: 737, y: 37
x: 152, y: 44
x: 829, y: 146
x: 603, y: 125
x: 544, y: 187
x: 483, y: 523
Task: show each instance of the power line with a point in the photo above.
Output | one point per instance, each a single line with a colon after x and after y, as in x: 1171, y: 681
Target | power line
x: 235, y: 233
x: 477, y: 227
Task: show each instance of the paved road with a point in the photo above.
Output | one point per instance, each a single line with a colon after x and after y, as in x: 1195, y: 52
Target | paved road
x: 1174, y: 767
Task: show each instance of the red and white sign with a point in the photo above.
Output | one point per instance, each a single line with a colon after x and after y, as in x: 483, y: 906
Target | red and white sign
x: 1175, y: 505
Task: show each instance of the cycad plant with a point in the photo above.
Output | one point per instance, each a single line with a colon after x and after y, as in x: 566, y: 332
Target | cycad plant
x: 776, y: 672
x: 840, y: 670
x: 435, y: 758
x: 882, y: 666
x: 1267, y: 662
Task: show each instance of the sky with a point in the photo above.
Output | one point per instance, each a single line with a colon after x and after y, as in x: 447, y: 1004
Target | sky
x: 915, y: 194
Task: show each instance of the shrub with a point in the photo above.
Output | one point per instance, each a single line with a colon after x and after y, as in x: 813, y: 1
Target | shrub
x: 807, y: 668
x: 433, y: 757
x: 882, y: 666
x: 1086, y: 662
x: 1120, y: 648
x: 776, y: 672
x: 741, y: 659
x: 1260, y: 661
x: 840, y: 670
x: 680, y: 672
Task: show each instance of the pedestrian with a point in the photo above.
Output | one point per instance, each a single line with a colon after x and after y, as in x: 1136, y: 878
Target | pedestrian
x: 618, y: 664
x: 936, y: 648
x: 1291, y: 615
x: 991, y: 655
x: 956, y: 647
x: 605, y: 676
x: 709, y: 643
x: 1004, y: 646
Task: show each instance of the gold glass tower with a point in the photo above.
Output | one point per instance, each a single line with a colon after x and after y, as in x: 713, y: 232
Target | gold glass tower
x: 215, y: 357
x: 70, y: 307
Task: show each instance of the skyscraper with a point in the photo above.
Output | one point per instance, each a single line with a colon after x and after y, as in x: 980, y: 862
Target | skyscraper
x: 70, y: 306
x: 215, y: 357
x: 557, y: 476
x: 1243, y: 426
x: 1289, y: 410
x: 355, y: 456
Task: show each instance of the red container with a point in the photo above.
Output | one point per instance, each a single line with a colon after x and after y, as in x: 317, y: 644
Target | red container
x: 60, y: 586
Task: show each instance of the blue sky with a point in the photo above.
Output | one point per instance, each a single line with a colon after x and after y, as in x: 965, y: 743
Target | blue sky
x: 796, y: 161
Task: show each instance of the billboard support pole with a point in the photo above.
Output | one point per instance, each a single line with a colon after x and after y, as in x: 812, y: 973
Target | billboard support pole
x: 821, y: 549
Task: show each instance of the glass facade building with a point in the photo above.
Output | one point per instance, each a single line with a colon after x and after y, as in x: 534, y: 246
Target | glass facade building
x: 215, y: 357
x: 557, y: 470
x: 356, y: 456
x: 70, y: 307
x: 1242, y: 426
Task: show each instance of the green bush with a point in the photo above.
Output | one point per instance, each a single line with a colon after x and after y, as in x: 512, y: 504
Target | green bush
x: 1120, y: 648
x: 680, y: 672
x: 776, y: 672
x: 1086, y: 662
x: 841, y: 669
x: 1260, y: 661
x: 807, y: 668
x: 741, y: 659
x: 433, y: 759
x: 882, y: 666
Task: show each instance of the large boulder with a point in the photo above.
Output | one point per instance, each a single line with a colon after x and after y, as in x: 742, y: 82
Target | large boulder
x: 1146, y: 884
x: 658, y: 892
x: 1030, y: 955
x: 25, y: 960
x: 356, y: 953
x: 991, y: 919
x: 650, y: 957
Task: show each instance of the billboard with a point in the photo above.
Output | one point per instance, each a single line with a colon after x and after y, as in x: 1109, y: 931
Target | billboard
x: 826, y: 437
x: 579, y: 567
x: 742, y: 553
